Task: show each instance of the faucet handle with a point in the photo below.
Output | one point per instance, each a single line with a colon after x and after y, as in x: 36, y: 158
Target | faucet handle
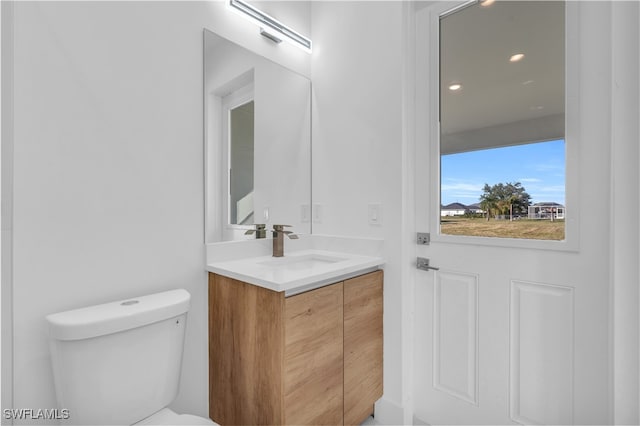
x: 259, y: 227
x: 280, y: 229
x: 260, y: 230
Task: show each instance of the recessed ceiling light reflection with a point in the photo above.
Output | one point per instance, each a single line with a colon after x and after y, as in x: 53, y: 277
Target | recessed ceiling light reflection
x: 455, y: 87
x: 517, y: 57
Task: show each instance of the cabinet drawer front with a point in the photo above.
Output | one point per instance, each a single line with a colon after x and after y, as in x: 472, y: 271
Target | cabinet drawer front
x: 313, y: 368
x: 363, y: 300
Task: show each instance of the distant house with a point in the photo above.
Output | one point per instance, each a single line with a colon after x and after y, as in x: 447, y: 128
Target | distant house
x: 475, y: 208
x: 458, y: 209
x: 546, y: 210
x: 453, y: 209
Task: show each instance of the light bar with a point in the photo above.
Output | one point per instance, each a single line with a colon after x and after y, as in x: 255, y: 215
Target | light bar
x: 271, y: 25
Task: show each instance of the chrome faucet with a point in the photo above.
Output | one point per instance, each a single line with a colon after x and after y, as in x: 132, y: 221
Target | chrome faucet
x: 278, y: 239
x: 260, y: 231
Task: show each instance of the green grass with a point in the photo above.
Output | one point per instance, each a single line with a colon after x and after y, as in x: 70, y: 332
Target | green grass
x: 521, y: 228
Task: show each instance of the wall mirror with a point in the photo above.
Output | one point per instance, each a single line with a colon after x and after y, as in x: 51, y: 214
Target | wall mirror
x: 257, y: 117
x: 502, y: 119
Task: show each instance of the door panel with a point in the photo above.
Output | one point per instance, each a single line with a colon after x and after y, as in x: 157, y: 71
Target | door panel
x: 518, y: 332
x: 455, y: 325
x: 541, y: 346
x: 540, y: 354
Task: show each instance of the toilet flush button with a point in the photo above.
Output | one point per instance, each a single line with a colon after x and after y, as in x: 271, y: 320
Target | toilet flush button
x: 129, y: 302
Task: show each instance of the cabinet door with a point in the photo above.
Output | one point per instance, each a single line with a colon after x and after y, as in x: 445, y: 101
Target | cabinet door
x: 313, y: 367
x: 362, y: 346
x: 245, y: 353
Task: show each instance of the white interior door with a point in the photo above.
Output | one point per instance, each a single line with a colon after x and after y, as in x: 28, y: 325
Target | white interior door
x: 517, y: 331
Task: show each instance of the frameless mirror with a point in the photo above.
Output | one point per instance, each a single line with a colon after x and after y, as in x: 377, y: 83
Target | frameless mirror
x: 502, y: 119
x: 257, y: 142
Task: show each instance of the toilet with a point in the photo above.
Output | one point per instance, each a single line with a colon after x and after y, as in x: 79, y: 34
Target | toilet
x: 119, y: 363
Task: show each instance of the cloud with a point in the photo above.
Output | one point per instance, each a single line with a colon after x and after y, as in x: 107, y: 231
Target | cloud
x: 547, y: 193
x: 548, y: 167
x: 462, y: 186
x: 529, y: 180
x: 460, y: 190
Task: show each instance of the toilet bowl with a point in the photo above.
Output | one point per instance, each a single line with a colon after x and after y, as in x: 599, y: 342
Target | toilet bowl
x: 168, y: 417
x: 119, y: 363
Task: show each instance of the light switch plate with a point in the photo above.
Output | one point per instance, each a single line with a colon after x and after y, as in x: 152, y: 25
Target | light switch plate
x: 317, y: 213
x: 305, y: 213
x: 375, y: 214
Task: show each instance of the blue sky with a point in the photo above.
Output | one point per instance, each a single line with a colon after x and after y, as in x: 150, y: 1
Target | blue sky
x: 539, y: 167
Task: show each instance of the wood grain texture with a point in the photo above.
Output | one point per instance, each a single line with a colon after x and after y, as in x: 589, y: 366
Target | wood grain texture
x: 363, y: 309
x: 246, y: 333
x: 313, y: 357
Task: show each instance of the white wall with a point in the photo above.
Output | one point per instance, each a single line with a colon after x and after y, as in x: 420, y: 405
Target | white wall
x: 108, y: 166
x: 6, y: 360
x: 357, y: 71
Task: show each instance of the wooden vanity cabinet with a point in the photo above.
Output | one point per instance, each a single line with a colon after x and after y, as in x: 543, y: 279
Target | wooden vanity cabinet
x: 362, y: 346
x: 312, y: 358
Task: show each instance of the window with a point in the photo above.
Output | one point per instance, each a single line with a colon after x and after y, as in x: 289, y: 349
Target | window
x: 502, y: 120
x: 483, y: 190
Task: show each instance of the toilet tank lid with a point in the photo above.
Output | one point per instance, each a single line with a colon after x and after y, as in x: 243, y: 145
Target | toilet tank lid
x: 117, y: 316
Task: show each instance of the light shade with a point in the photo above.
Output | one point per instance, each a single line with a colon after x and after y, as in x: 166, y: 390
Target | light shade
x: 271, y: 26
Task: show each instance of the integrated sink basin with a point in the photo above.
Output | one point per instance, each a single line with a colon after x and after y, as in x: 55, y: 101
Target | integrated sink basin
x: 300, y: 262
x: 297, y: 271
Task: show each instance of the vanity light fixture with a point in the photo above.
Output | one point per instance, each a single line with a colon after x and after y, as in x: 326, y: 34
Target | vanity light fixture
x: 271, y: 35
x: 517, y: 57
x: 271, y: 27
x: 455, y: 87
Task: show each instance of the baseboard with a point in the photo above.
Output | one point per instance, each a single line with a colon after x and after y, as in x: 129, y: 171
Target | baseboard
x: 419, y: 422
x: 388, y: 412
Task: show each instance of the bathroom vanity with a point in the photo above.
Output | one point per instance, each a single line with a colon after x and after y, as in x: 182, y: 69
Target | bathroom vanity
x: 305, y: 353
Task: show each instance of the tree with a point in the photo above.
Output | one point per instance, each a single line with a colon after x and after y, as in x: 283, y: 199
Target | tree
x: 488, y: 200
x: 504, y: 198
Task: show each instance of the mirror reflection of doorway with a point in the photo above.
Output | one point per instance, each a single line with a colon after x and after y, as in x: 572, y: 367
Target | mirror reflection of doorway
x: 241, y: 159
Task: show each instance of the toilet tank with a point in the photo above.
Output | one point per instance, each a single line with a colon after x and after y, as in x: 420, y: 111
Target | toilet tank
x: 119, y: 362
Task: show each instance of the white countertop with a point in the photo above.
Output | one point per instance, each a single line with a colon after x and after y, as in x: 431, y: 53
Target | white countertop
x: 297, y: 271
